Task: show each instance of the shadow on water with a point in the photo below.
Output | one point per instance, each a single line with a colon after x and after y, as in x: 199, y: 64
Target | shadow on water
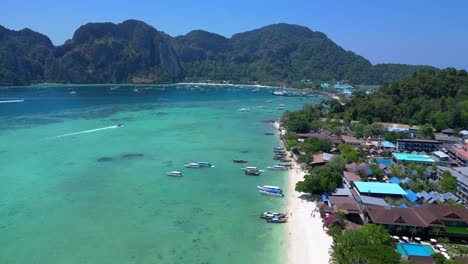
x: 127, y: 156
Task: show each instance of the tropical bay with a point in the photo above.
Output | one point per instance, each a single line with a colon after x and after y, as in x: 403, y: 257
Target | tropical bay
x: 103, y: 195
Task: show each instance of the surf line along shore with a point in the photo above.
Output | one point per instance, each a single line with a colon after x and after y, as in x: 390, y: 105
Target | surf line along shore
x: 306, y: 240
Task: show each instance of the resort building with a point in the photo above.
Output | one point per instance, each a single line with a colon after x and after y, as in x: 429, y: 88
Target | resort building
x: 461, y: 174
x: 379, y: 189
x: 351, y: 177
x: 449, y: 139
x: 418, y: 145
x: 321, y: 159
x: 387, y: 145
x: 425, y: 218
x: 412, y: 130
x: 349, y: 140
x: 459, y: 153
x: 400, y: 158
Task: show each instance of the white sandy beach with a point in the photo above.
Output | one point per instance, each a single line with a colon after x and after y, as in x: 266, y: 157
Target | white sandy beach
x: 307, y: 242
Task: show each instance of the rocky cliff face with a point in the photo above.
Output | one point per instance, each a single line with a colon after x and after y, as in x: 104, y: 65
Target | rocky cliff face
x: 23, y: 55
x: 108, y: 53
x: 134, y: 52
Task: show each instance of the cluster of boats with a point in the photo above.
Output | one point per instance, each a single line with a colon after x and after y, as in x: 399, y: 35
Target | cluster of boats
x: 280, y: 154
x: 270, y: 190
x: 198, y: 164
x: 273, y: 217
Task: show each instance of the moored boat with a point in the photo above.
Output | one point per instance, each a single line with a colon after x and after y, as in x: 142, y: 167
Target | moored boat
x: 253, y: 172
x: 240, y: 161
x: 276, y: 193
x: 269, y: 187
x: 249, y: 168
x: 174, y: 173
x: 269, y: 214
x: 277, y: 167
x: 276, y: 220
x: 244, y: 110
x: 199, y: 164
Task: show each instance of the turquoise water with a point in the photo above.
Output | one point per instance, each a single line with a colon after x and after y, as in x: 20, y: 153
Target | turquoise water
x: 407, y: 249
x: 102, y: 196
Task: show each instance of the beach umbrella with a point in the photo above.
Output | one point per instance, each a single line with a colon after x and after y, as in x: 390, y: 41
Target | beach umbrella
x: 417, y: 238
x: 442, y: 249
x: 405, y: 238
x: 396, y: 237
x: 439, y: 246
x: 433, y: 240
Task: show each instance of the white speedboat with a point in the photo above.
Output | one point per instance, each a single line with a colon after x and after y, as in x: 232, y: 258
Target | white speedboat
x: 281, y: 93
x: 275, y: 193
x: 268, y: 187
x: 192, y: 165
x: 174, y: 173
x: 263, y: 107
x: 244, y: 110
x: 199, y: 164
x: 277, y: 167
x: 250, y: 168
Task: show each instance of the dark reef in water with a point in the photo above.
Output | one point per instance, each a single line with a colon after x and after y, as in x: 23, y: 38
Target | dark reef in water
x: 123, y: 156
x: 132, y: 155
x: 104, y: 159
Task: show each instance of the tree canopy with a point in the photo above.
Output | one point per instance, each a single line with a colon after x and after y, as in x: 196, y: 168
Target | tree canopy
x: 370, y: 244
x: 439, y: 99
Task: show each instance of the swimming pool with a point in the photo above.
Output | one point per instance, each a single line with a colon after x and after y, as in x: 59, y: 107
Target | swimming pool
x: 407, y: 249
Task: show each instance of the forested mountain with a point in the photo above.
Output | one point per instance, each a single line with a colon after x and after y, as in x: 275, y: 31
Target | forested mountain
x: 134, y: 52
x: 429, y: 97
x: 107, y: 53
x: 23, y: 55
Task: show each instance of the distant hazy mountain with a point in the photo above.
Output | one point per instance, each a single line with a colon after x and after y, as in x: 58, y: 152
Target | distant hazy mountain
x: 134, y: 52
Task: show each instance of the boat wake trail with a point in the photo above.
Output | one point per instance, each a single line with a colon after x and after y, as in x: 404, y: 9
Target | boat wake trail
x: 11, y: 101
x: 86, y: 131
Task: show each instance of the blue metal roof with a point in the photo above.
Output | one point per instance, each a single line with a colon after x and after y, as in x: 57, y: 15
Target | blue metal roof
x: 410, y: 195
x: 388, y: 144
x: 379, y: 188
x: 403, y: 205
x: 394, y: 180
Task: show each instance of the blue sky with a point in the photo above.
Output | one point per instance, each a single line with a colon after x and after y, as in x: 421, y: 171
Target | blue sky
x: 430, y: 32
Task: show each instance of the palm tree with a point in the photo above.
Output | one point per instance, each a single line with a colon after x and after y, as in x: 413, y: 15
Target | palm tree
x: 437, y: 231
x: 413, y: 230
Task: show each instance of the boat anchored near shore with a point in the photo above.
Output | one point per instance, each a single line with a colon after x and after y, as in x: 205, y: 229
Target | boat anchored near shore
x: 174, y: 173
x: 271, y: 192
x: 277, y: 168
x: 199, y: 164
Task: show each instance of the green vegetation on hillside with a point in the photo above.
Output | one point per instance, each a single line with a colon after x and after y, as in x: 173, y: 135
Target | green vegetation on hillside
x: 134, y: 52
x: 436, y: 98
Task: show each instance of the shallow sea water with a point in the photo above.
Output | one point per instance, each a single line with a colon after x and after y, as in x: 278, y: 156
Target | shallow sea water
x: 103, y: 196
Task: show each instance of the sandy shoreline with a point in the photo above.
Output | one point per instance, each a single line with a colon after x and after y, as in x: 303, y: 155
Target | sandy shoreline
x: 306, y: 241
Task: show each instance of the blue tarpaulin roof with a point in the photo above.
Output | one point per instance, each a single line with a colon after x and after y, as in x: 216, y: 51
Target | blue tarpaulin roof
x: 411, y: 196
x: 325, y: 198
x: 403, y: 205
